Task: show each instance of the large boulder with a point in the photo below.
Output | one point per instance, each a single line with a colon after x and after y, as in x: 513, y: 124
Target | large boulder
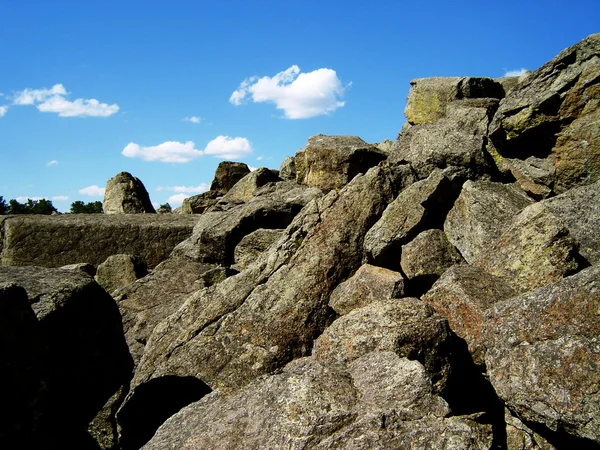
x: 126, y: 194
x: 330, y: 162
x: 543, y: 354
x: 480, y: 215
x: 228, y: 173
x: 54, y: 241
x: 120, y: 270
x: 197, y: 204
x: 552, y: 116
x: 246, y: 188
x: 79, y: 359
x: 287, y: 170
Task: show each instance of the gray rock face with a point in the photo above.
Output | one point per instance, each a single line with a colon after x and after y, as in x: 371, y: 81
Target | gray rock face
x: 253, y: 244
x: 330, y: 162
x: 543, y: 354
x: 553, y: 115
x: 319, y: 406
x: 287, y: 170
x: 74, y: 352
x: 228, y: 173
x: 246, y: 188
x: 480, y: 215
x: 462, y: 295
x: 368, y: 284
x: 126, y: 194
x: 120, y: 270
x: 55, y: 241
x: 197, y: 204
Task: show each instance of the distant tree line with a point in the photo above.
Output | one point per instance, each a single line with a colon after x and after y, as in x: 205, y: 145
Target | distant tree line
x: 44, y: 206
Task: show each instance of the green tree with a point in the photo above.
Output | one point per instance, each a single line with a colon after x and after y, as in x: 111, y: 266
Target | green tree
x: 41, y: 206
x: 166, y: 208
x: 3, y: 206
x: 14, y: 207
x: 78, y: 207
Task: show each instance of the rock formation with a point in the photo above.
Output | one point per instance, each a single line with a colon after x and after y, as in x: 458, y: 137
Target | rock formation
x: 126, y: 194
x: 440, y: 291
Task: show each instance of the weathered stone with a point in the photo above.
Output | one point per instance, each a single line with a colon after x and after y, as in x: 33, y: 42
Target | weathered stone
x: 228, y: 173
x: 535, y: 250
x: 385, y: 146
x: 245, y: 189
x: 287, y: 170
x: 462, y: 295
x: 126, y: 194
x: 120, y: 270
x: 428, y: 97
x: 553, y: 115
x: 408, y: 327
x: 520, y: 437
x: 480, y: 215
x: 253, y: 244
x: 543, y: 353
x: 508, y: 83
x: 83, y: 359
x: 420, y: 206
x: 330, y: 162
x: 82, y: 267
x: 368, y: 284
x: 473, y: 113
x: 427, y: 256
x: 197, y: 204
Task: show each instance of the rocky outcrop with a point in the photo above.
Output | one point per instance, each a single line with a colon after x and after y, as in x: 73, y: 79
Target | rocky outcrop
x: 252, y: 245
x: 227, y: 175
x: 197, y: 204
x: 287, y: 170
x: 120, y: 270
x: 247, y: 187
x: 126, y: 194
x: 55, y: 241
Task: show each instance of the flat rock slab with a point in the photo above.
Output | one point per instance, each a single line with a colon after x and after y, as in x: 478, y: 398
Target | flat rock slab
x: 54, y: 241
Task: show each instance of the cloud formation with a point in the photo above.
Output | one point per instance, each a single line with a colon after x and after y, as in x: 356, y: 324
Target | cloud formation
x: 23, y: 199
x: 52, y: 163
x: 516, y: 72
x: 60, y: 197
x: 299, y: 95
x: 176, y: 152
x: 177, y: 199
x: 3, y: 110
x: 203, y: 187
x: 193, y: 119
x: 93, y: 191
x: 54, y: 100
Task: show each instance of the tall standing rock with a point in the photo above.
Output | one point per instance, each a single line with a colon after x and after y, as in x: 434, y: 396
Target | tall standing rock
x: 126, y: 194
x: 228, y: 173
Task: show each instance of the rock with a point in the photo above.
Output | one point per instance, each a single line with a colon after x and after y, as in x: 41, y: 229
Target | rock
x: 319, y: 406
x: 426, y: 258
x: 330, y: 162
x: 462, y: 295
x: 535, y: 250
x: 480, y: 215
x: 120, y: 270
x: 197, y: 204
x: 543, y: 353
x: 227, y: 175
x: 385, y: 146
x: 368, y: 284
x: 287, y: 170
x: 428, y: 97
x: 520, y: 437
x: 473, y: 113
x: 508, y: 83
x: 55, y: 241
x: 408, y: 327
x: 126, y: 194
x: 253, y: 244
x: 553, y: 115
x: 420, y: 206
x: 72, y: 329
x: 82, y: 267
x: 246, y: 188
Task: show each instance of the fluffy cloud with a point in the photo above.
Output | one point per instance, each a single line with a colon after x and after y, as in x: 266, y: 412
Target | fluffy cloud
x: 515, y: 73
x: 299, y: 95
x: 171, y: 151
x: 193, y: 119
x: 3, y: 110
x: 60, y: 198
x: 203, y: 187
x: 228, y: 148
x: 52, y: 163
x: 93, y: 191
x: 54, y: 100
x: 177, y: 199
x: 23, y: 199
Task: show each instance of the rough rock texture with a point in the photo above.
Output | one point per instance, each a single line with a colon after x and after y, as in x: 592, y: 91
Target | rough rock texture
x: 553, y: 115
x: 543, y: 354
x: 55, y: 241
x: 462, y: 295
x: 197, y: 204
x: 287, y: 170
x: 253, y: 244
x: 330, y: 162
x: 480, y: 215
x: 421, y: 206
x: 408, y: 327
x: 73, y: 327
x: 318, y: 406
x: 246, y: 188
x: 520, y: 437
x: 428, y: 97
x: 126, y: 194
x: 120, y: 270
x: 227, y: 175
x: 368, y: 284
x: 473, y: 114
x: 535, y: 250
x: 426, y: 258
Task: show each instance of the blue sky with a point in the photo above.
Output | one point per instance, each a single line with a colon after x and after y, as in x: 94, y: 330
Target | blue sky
x: 167, y: 90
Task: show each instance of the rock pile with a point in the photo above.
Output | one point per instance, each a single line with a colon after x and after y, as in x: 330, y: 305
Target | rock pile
x: 440, y: 291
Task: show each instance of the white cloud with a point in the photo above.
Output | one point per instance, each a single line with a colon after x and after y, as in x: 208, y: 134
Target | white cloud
x: 52, y: 163
x: 228, y: 148
x: 515, y: 73
x: 299, y: 95
x: 259, y: 158
x: 23, y: 199
x: 60, y: 197
x: 252, y: 168
x: 93, y: 191
x: 171, y: 151
x: 203, y: 187
x: 3, y: 110
x: 54, y: 100
x: 177, y: 199
x: 193, y: 119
